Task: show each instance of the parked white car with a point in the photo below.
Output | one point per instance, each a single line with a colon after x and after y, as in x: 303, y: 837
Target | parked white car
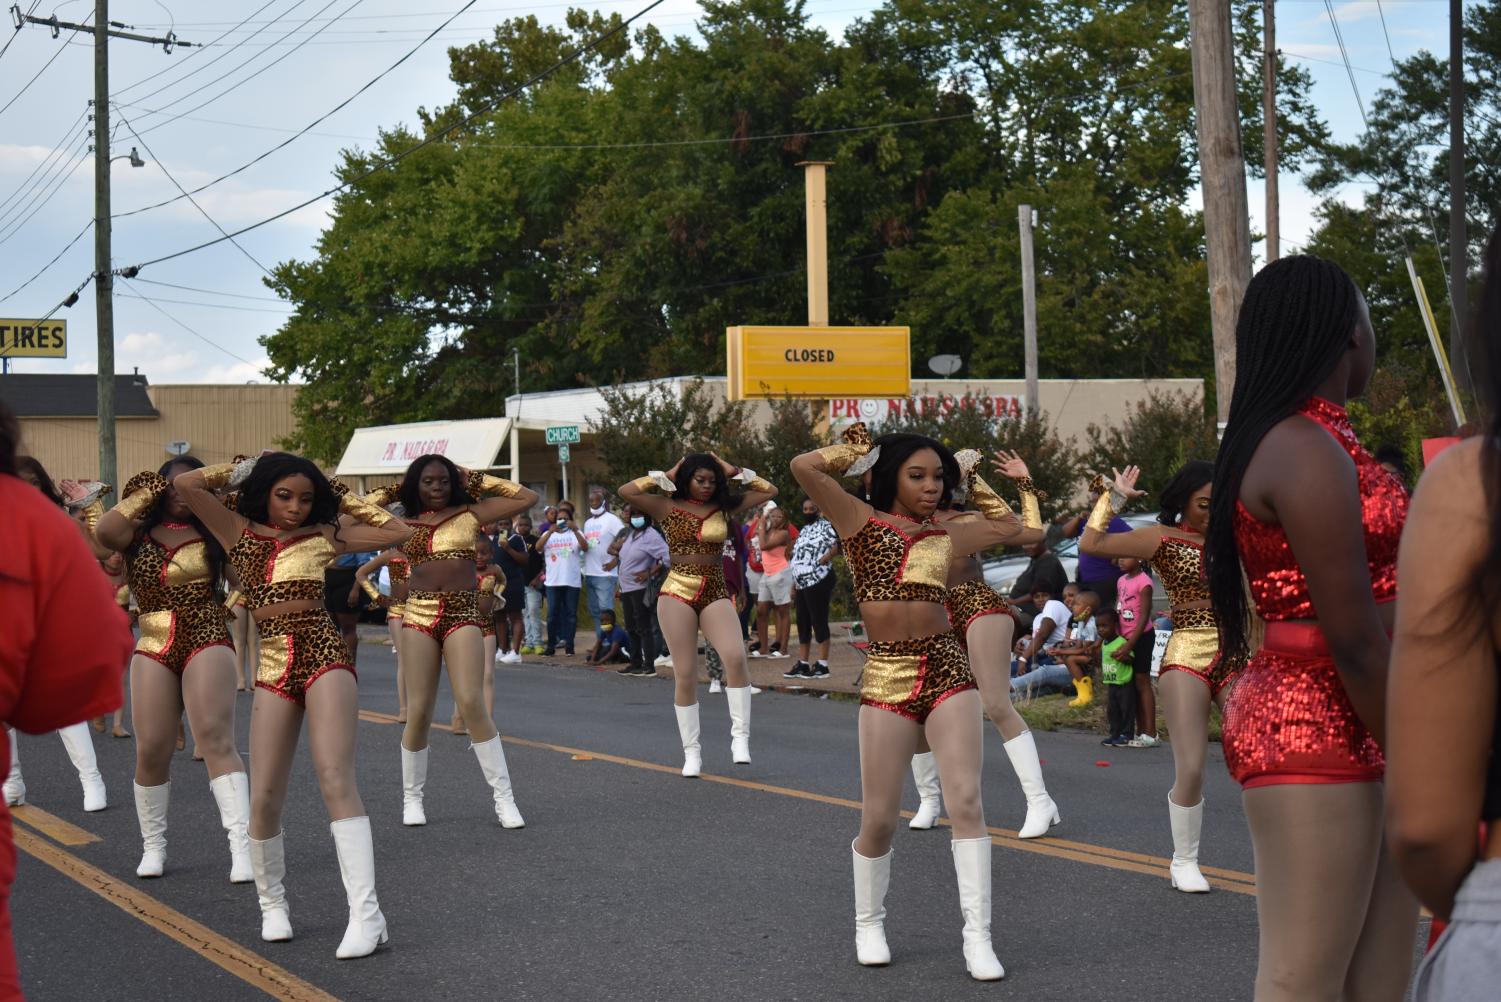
x: 1001, y: 572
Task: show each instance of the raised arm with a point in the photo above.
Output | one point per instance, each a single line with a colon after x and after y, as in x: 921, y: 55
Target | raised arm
x: 196, y: 488
x: 757, y: 490
x: 658, y: 506
x: 816, y: 471
x: 498, y: 497
x: 363, y: 526
x: 117, y: 527
x: 1098, y: 540
x: 369, y: 567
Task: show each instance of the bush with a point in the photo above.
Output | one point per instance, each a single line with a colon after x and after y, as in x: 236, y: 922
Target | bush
x: 653, y: 427
x: 1402, y: 408
x: 1159, y: 435
x: 791, y: 432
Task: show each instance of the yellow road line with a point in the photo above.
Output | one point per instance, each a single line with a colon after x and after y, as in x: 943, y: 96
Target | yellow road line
x: 249, y: 967
x: 1079, y: 852
x: 53, y: 826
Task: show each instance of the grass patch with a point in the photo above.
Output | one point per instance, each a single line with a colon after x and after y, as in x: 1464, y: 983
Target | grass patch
x: 1052, y: 713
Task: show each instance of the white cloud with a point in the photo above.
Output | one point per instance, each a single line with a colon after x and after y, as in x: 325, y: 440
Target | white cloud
x: 234, y: 372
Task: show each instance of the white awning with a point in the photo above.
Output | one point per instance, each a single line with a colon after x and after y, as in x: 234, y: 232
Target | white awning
x: 386, y: 450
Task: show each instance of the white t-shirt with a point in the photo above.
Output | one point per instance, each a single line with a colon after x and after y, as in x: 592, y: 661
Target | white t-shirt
x: 564, y: 561
x: 1059, y: 614
x: 600, y: 531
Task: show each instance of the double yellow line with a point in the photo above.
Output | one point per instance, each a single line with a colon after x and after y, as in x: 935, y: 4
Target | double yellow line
x: 1079, y: 852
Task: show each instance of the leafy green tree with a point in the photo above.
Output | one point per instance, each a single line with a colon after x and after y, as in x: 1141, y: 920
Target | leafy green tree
x: 651, y: 427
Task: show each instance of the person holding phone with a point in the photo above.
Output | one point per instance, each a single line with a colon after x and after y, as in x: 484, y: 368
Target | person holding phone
x: 562, y: 547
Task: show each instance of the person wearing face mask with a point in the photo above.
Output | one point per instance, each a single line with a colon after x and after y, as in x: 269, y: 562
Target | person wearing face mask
x: 601, y: 570
x: 695, y: 520
x: 1192, y: 675
x: 917, y: 679
x: 288, y: 526
x: 813, y: 574
x: 642, y: 554
x: 563, y: 547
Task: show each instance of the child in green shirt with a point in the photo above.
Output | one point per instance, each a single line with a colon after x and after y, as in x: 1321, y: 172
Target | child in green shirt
x: 1117, y: 674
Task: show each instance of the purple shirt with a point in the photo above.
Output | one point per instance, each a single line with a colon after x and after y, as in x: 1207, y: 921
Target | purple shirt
x: 1093, y: 568
x: 642, y: 551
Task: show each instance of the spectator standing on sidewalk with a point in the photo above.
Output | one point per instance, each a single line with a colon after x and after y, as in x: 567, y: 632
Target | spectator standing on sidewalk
x: 776, y: 535
x: 753, y: 573
x: 535, y: 576
x: 1116, y: 672
x: 1134, y: 607
x: 563, y: 548
x: 600, y: 565
x: 513, y: 556
x: 813, y: 578
x: 642, y: 553
x: 549, y: 516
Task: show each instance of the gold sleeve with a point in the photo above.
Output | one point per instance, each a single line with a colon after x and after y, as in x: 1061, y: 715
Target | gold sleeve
x: 359, y: 508
x: 648, y: 483
x: 91, y: 513
x: 141, y: 495
x: 1031, y: 499
x: 234, y: 598
x: 1104, y: 510
x: 754, y: 482
x: 368, y: 587
x: 986, y: 501
x: 482, y: 485
x: 383, y: 496
x: 840, y: 457
x: 218, y: 475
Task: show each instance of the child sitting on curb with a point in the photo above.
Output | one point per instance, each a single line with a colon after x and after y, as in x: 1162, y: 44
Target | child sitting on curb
x: 1081, y: 652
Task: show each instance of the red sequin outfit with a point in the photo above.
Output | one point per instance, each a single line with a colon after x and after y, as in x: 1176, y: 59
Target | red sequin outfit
x: 1288, y: 719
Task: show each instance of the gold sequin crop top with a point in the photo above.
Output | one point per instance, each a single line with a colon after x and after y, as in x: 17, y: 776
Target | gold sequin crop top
x: 273, y: 570
x: 890, y: 564
x: 1179, y: 563
x: 690, y: 535
x: 163, y: 578
x: 450, y: 539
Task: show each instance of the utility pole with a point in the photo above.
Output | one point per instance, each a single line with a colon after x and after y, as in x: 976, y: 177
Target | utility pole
x: 1269, y: 127
x: 1029, y: 310
x: 1227, y: 230
x: 104, y: 283
x: 1459, y: 246
x: 816, y: 208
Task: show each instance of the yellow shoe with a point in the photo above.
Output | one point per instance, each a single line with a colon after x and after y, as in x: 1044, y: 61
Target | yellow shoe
x: 1085, y: 689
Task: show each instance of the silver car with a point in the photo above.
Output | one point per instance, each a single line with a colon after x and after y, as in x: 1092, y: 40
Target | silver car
x: 1001, y: 572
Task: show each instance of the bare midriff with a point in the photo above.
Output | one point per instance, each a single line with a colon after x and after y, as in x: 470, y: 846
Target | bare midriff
x: 266, y: 612
x: 903, y: 620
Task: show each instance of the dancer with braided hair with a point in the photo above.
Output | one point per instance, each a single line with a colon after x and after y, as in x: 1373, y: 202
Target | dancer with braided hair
x: 288, y: 526
x: 184, y: 659
x: 1312, y: 522
x: 1193, y: 675
x: 917, y: 679
x: 441, y: 622
x: 985, y: 623
x: 694, y: 517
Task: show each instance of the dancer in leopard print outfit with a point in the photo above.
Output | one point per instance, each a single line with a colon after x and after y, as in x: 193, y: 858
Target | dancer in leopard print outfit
x: 289, y: 523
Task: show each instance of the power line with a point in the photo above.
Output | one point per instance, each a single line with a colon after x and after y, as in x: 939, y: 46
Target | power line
x: 60, y: 146
x: 39, y: 201
x: 293, y: 138
x: 4, y: 48
x: 67, y: 247
x: 212, y: 344
x: 189, y: 56
x: 37, y: 76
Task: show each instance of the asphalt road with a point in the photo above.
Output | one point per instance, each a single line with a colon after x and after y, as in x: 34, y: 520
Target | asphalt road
x: 630, y: 882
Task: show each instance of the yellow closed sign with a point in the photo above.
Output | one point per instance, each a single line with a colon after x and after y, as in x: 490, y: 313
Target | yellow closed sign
x: 818, y: 362
x: 33, y: 338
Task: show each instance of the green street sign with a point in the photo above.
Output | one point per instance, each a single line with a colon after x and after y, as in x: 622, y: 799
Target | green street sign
x: 563, y: 453
x: 563, y: 435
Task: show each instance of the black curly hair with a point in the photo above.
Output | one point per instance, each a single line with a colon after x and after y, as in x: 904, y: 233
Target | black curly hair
x: 275, y: 467
x: 157, y: 513
x: 30, y: 464
x: 692, y: 463
x: 896, y: 449
x: 1294, y: 328
x: 1191, y: 476
x: 411, y: 493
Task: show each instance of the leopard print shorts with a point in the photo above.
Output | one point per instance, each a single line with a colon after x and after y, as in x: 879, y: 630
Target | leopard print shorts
x: 439, y: 613
x: 696, y: 585
x: 969, y: 600
x: 297, y: 649
x: 173, y: 637
x: 912, y: 677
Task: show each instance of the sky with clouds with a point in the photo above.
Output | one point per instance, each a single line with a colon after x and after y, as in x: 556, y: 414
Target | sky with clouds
x: 202, y: 113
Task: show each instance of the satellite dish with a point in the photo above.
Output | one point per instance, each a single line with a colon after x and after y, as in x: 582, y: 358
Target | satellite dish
x: 945, y: 365
x: 178, y: 448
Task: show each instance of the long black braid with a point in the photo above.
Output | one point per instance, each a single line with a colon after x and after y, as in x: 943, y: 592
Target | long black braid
x: 1294, y: 327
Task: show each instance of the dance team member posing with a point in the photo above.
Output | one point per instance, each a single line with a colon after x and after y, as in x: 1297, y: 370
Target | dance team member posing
x: 1192, y: 674
x: 917, y: 678
x: 985, y: 622
x: 290, y: 524
x: 445, y: 507
x: 694, y: 519
x: 184, y: 659
x: 1312, y: 521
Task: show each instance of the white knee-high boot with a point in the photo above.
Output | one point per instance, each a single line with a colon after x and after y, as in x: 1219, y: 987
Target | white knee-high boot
x: 693, y: 760
x: 739, y: 701
x: 15, y: 787
x: 268, y: 860
x: 925, y: 776
x: 367, y: 926
x: 80, y: 748
x: 151, y: 813
x: 492, y: 762
x: 1187, y: 823
x: 413, y: 778
x: 972, y: 867
x: 872, y: 878
x: 1042, y: 813
x: 232, y: 794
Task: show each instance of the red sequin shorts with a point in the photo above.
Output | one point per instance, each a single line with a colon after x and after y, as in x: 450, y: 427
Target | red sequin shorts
x: 439, y: 613
x: 911, y: 677
x: 969, y: 600
x: 1288, y: 719
x: 173, y: 637
x: 696, y: 585
x: 297, y: 649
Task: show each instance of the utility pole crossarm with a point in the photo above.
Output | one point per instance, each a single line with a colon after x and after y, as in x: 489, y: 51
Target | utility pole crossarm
x: 168, y: 42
